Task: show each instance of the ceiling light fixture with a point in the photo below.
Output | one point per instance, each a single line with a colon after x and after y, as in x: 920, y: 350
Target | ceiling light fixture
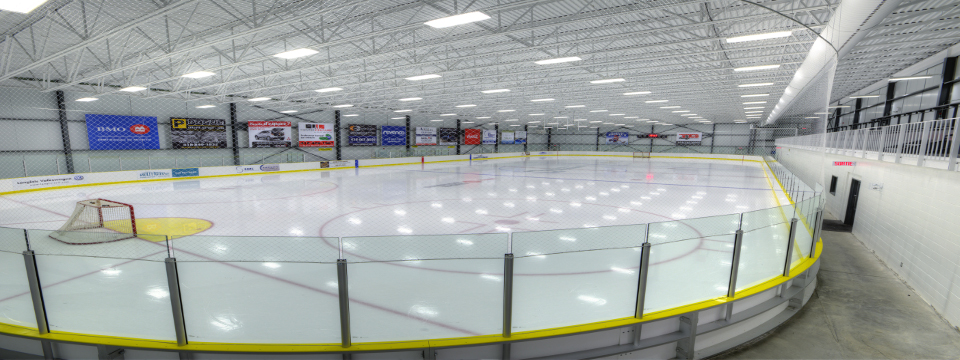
x: 343, y: 106
x: 755, y: 95
x: 411, y: 99
x: 864, y: 96
x: 495, y: 91
x: 909, y: 78
x: 755, y: 85
x: 574, y: 106
x: 607, y: 81
x: 133, y: 88
x: 398, y: 118
x: 87, y: 99
x: 557, y: 60
x: 206, y: 106
x: 506, y: 110
x: 757, y: 68
x: 755, y: 37
x: 329, y: 89
x: 259, y: 99
x: 423, y: 77
x: 352, y: 115
x: 754, y: 107
x: 21, y: 6
x: 288, y: 111
x: 297, y: 53
x: 538, y: 100
x: 448, y: 114
x: 755, y: 102
x: 198, y: 74
x: 465, y: 106
x: 455, y: 20
x: 637, y: 93
x: 399, y: 111
x: 598, y: 110
x: 655, y: 101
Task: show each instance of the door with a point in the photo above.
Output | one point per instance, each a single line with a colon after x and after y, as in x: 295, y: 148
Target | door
x: 852, y: 201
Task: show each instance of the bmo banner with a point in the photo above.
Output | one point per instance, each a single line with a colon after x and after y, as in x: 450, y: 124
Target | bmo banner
x: 393, y: 135
x: 689, y: 138
x: 472, y: 136
x: 118, y: 132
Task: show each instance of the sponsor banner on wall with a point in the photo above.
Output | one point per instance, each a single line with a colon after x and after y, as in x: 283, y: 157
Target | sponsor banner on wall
x: 265, y: 134
x: 187, y: 172
x: 117, y: 132
x: 448, y: 136
x: 258, y: 168
x: 315, y: 135
x: 426, y: 135
x: 47, y: 181
x: 619, y: 138
x: 472, y: 136
x: 362, y: 135
x: 520, y: 137
x: 489, y: 137
x: 506, y: 137
x: 191, y: 133
x: 691, y: 138
x: 393, y: 135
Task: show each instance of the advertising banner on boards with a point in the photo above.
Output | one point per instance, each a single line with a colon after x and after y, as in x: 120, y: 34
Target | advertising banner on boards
x: 266, y: 134
x: 393, y: 135
x: 426, y: 136
x: 315, y: 135
x: 489, y: 137
x: 618, y: 138
x: 689, y: 138
x: 118, y: 132
x: 448, y: 136
x: 520, y: 137
x: 472, y: 136
x: 362, y: 135
x: 506, y: 137
x: 191, y: 133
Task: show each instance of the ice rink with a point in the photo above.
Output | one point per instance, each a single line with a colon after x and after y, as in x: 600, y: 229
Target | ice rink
x: 425, y: 245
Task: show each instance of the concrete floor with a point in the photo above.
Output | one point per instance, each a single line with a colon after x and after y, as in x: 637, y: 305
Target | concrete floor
x: 860, y: 310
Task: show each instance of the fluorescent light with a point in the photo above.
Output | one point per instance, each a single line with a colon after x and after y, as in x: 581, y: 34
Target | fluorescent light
x: 652, y: 121
x: 514, y: 125
x: 537, y: 100
x: 670, y: 107
x: 756, y: 37
x: 607, y: 81
x: 655, y: 101
x: 352, y: 115
x: 398, y: 118
x: 755, y: 95
x: 688, y: 114
x: 680, y: 111
x: 423, y: 77
x: 596, y: 121
x: 198, y: 74
x: 637, y: 93
x: 910, y: 78
x: 755, y: 85
x: 465, y: 106
x: 619, y: 124
x: 754, y: 107
x: 755, y: 102
x: 535, y: 114
x: 411, y: 99
x: 506, y: 110
x: 21, y: 6
x: 206, y: 106
x: 837, y: 106
x: 437, y: 120
x: 598, y: 110
x: 404, y: 110
x: 631, y: 117
x: 560, y: 117
x: 495, y: 91
x: 457, y: 20
x: 616, y: 114
x: 466, y: 122
x: 753, y: 112
x: 448, y: 114
x: 557, y: 60
x: 329, y: 89
x: 288, y: 111
x: 133, y: 88
x: 533, y: 122
x: 608, y: 123
x: 574, y: 106
x: 812, y: 117
x: 297, y: 53
x: 343, y: 106
x: 756, y: 68
x: 87, y: 99
x: 864, y: 96
x: 259, y: 99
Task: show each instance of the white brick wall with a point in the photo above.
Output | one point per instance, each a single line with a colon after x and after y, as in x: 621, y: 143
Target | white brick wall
x: 914, y: 220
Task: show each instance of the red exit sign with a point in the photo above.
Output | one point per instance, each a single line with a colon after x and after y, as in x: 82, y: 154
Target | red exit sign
x: 844, y: 163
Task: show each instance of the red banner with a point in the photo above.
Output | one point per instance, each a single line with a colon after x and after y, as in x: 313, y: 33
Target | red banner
x: 472, y: 136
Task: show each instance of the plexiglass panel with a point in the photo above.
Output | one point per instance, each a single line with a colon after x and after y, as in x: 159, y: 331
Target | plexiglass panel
x: 764, y: 246
x: 259, y: 289
x: 110, y: 295
x: 696, y: 253
x: 425, y: 287
x: 804, y: 235
x: 16, y: 306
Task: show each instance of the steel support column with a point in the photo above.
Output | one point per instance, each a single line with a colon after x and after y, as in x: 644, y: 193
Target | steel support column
x: 888, y: 102
x: 948, y: 74
x: 64, y: 133
x: 459, y: 136
x: 526, y: 140
x: 407, y: 117
x: 235, y: 139
x: 496, y: 145
x: 336, y: 133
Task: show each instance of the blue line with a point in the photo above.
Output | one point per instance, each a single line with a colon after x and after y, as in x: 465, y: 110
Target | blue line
x: 609, y: 181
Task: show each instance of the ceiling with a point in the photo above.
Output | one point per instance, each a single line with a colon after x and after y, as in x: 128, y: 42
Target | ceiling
x: 677, y: 50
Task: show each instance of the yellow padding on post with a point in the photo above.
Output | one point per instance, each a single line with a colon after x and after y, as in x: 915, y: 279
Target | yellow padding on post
x: 157, y: 229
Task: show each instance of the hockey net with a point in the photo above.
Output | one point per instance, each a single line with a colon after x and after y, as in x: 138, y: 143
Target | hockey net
x: 98, y: 221
x: 645, y: 155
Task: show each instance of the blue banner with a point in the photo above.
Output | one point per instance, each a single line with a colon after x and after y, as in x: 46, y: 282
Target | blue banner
x: 117, y: 132
x: 621, y: 138
x: 393, y: 135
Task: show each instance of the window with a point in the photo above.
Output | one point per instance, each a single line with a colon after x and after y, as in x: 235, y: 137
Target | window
x: 833, y: 185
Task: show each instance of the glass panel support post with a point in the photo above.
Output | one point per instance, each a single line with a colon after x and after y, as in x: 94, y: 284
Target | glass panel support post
x: 790, y: 243
x: 344, y: 303
x: 642, y: 281
x: 173, y: 283
x: 36, y: 291
x: 507, y: 294
x: 818, y: 223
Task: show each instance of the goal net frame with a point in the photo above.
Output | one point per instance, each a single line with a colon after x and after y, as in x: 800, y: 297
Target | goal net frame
x: 642, y: 155
x: 98, y: 221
